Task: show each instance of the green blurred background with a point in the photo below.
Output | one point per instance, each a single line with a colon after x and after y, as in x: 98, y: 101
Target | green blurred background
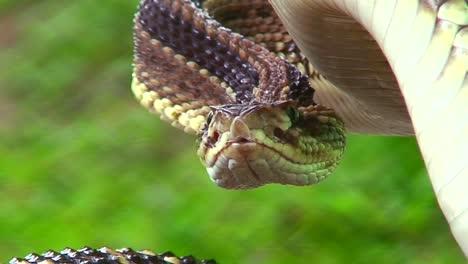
x: 82, y: 163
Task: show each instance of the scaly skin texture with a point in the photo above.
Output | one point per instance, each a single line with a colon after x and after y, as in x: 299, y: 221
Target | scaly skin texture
x: 271, y: 144
x: 265, y: 126
x: 105, y: 255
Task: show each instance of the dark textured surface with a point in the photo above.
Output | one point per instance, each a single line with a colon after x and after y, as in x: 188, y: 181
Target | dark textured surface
x: 256, y: 20
x: 89, y: 255
x: 299, y: 88
x: 174, y: 26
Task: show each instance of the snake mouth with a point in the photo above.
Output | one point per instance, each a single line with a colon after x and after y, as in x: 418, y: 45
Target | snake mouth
x: 244, y: 164
x: 231, y: 166
x: 239, y: 142
x: 243, y: 158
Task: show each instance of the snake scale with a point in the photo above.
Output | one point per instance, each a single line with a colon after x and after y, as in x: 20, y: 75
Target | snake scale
x: 252, y: 107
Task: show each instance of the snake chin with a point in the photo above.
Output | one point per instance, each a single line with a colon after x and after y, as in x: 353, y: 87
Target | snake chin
x: 250, y: 165
x: 265, y: 144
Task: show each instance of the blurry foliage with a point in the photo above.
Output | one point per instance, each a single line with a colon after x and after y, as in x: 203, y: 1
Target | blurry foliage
x: 81, y: 163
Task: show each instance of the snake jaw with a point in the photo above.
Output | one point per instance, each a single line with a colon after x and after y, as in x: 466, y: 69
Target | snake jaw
x: 271, y: 144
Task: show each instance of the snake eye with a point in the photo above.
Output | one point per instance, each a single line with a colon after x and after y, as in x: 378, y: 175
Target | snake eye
x: 293, y: 114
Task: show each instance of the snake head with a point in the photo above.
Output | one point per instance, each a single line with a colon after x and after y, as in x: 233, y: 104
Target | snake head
x: 246, y: 146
